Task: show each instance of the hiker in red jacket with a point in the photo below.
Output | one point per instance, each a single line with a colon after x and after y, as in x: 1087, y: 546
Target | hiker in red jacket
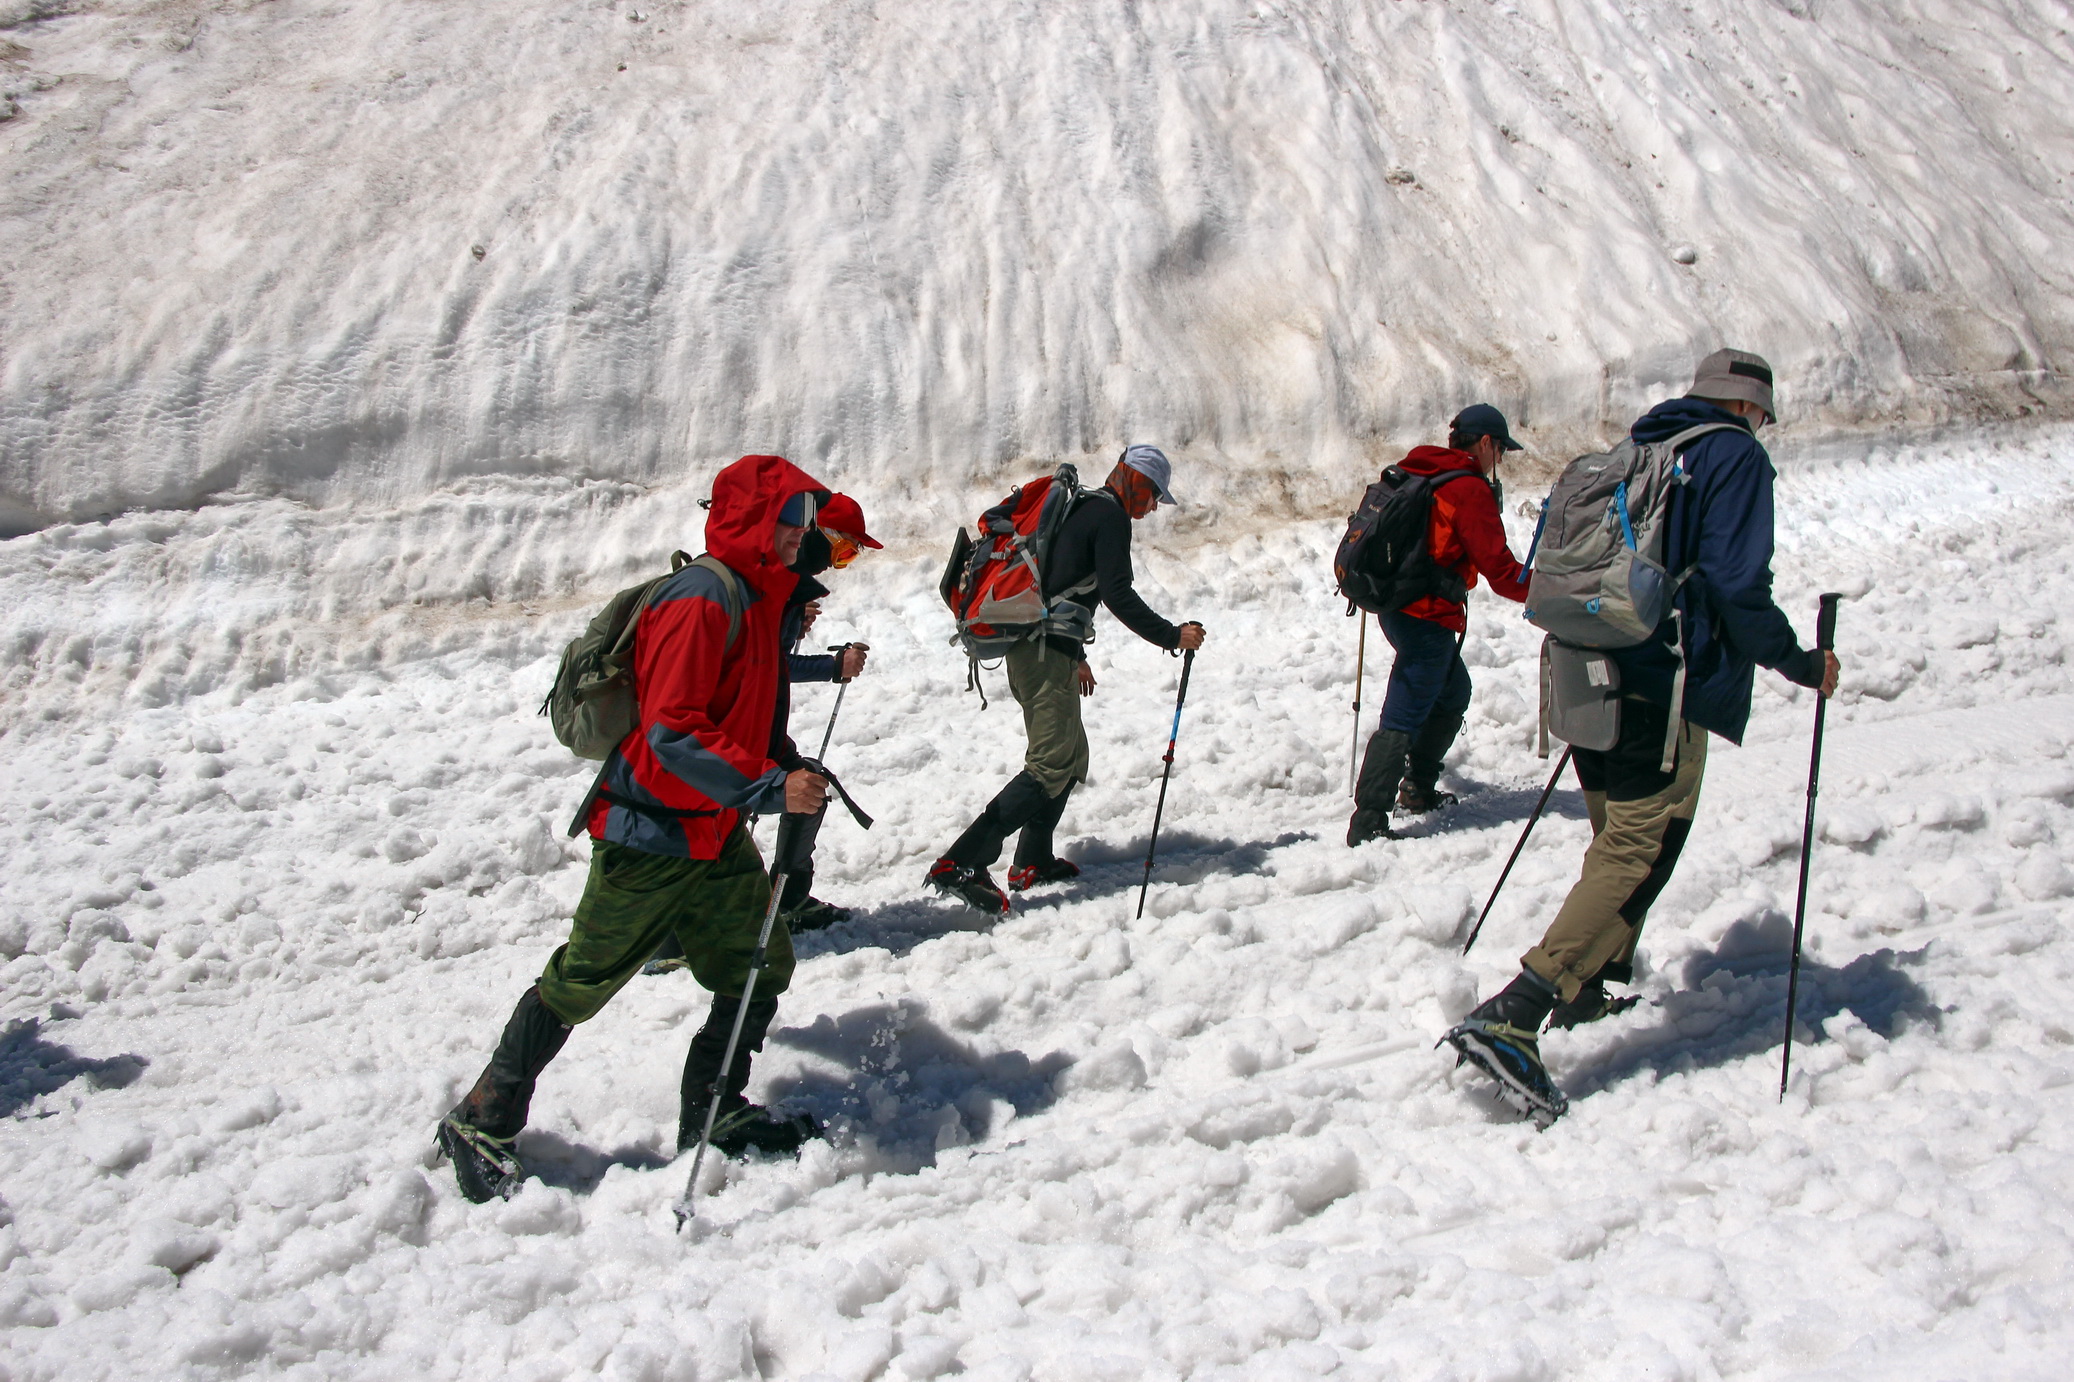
x: 670, y: 851
x: 1429, y: 684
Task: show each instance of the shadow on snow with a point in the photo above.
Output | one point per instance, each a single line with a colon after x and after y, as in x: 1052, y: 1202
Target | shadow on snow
x: 572, y: 1166
x: 1184, y: 857
x: 1481, y: 809
x: 908, y: 1084
x: 900, y: 1079
x: 31, y: 1067
x: 1733, y: 1004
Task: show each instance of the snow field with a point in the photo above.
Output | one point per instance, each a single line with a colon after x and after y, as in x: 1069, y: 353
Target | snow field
x: 257, y: 938
x: 354, y: 254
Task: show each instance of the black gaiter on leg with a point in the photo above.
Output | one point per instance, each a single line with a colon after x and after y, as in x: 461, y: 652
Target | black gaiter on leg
x: 1035, y: 845
x: 502, y: 1094
x: 702, y: 1061
x: 1014, y: 807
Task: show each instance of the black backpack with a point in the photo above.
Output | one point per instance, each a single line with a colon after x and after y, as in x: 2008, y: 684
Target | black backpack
x: 1383, y: 563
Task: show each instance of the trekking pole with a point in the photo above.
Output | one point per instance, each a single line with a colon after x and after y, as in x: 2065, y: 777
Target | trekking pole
x: 1187, y: 666
x: 1553, y: 778
x: 1360, y: 666
x: 781, y: 865
x: 842, y: 687
x: 1825, y: 639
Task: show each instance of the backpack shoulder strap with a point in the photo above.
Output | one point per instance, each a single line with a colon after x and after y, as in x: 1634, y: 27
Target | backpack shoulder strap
x: 734, y: 598
x: 622, y: 649
x: 1693, y: 434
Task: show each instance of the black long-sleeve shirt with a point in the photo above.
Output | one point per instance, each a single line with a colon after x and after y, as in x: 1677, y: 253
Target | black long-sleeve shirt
x: 1096, y: 541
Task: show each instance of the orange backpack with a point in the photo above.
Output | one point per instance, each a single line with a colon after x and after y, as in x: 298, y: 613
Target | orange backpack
x: 995, y: 586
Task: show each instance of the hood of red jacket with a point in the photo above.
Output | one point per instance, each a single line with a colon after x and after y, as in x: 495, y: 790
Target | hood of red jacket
x: 1432, y: 460
x: 744, y: 518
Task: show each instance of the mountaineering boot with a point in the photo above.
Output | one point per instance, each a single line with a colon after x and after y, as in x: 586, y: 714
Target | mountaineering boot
x: 740, y: 1125
x: 1024, y: 877
x: 485, y: 1167
x: 1382, y: 766
x: 813, y: 915
x: 743, y: 1127
x: 1365, y: 825
x: 1428, y: 753
x: 1414, y: 800
x: 478, y: 1132
x: 974, y: 887
x: 668, y: 957
x: 1591, y: 1003
x: 1501, y: 1038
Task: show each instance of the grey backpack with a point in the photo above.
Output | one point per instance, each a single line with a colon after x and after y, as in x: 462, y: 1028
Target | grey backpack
x: 1596, y: 569
x: 1596, y: 574
x: 591, y: 704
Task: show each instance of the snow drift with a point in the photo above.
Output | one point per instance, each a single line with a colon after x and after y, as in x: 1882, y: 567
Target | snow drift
x: 361, y: 252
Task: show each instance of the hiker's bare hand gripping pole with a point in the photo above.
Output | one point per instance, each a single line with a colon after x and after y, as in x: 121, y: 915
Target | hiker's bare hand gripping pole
x: 1825, y: 639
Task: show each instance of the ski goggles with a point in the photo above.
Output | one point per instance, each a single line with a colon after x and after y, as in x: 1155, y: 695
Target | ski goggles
x: 842, y: 548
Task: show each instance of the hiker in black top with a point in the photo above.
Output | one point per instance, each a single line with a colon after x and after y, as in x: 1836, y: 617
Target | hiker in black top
x: 837, y: 540
x: 1048, y: 677
x: 1095, y: 540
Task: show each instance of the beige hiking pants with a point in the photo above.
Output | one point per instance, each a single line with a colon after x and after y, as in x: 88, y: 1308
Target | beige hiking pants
x: 1598, y: 921
x: 1042, y: 682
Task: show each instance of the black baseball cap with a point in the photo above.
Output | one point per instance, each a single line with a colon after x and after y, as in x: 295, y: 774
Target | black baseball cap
x: 1482, y: 420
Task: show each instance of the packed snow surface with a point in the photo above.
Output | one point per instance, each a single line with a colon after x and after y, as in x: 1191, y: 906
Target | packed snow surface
x: 261, y: 926
x: 364, y: 251
x: 350, y: 354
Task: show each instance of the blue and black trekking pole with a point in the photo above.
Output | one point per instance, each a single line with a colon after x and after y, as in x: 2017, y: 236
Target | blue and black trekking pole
x: 1180, y: 699
x: 1825, y: 639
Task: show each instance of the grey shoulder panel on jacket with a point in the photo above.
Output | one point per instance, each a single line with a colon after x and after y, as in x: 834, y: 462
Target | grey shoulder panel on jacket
x: 699, y: 583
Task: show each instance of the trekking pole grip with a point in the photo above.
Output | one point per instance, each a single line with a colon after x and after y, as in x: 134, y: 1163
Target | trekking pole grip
x: 1825, y: 621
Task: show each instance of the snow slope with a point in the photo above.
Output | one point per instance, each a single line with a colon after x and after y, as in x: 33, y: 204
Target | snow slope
x: 361, y: 252
x: 257, y: 937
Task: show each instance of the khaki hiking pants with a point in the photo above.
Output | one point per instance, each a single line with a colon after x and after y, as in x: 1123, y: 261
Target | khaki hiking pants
x: 1640, y: 818
x: 1041, y: 680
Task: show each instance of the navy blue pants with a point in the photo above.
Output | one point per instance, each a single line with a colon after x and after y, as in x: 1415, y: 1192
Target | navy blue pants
x: 1427, y: 679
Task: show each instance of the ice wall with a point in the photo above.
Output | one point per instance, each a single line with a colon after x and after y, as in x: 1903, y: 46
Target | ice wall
x: 356, y: 253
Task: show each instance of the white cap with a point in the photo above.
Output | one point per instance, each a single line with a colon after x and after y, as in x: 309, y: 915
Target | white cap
x: 1152, y: 463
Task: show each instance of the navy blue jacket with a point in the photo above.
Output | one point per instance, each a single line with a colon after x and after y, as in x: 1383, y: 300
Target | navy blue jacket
x: 796, y: 666
x: 1721, y: 519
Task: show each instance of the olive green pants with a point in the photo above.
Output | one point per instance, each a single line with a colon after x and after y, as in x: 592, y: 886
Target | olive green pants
x: 633, y: 899
x: 1042, y: 681
x: 1637, y: 834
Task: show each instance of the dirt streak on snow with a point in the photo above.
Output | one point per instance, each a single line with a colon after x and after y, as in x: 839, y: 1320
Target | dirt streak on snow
x: 255, y: 938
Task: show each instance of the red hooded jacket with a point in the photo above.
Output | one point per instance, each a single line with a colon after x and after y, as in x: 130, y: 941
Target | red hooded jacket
x: 701, y: 755
x: 1466, y: 536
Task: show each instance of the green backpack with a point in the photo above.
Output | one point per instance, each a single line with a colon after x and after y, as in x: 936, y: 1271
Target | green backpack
x: 591, y: 704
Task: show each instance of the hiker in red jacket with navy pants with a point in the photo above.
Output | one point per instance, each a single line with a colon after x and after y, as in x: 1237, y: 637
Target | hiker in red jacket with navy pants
x: 1429, y: 683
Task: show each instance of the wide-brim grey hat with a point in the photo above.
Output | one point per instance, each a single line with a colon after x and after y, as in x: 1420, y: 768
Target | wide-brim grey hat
x: 1152, y: 463
x: 1735, y: 374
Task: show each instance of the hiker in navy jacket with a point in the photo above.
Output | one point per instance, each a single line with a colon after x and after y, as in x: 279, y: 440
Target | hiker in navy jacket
x: 1721, y: 528
x: 1721, y: 525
